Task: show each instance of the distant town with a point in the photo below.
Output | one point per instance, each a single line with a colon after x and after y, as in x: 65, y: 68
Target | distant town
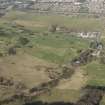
x: 55, y: 6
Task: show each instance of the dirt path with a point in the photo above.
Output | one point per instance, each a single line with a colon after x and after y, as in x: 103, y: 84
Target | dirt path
x: 77, y: 81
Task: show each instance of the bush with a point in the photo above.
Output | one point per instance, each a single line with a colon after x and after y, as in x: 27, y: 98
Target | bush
x: 23, y: 40
x: 52, y: 28
x: 1, y: 54
x: 102, y: 57
x: 12, y: 51
x: 93, y: 45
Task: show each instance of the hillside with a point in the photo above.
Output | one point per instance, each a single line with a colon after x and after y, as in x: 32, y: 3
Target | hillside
x: 51, y: 58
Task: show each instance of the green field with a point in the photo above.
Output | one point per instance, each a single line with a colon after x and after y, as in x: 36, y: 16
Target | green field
x: 57, y: 48
x: 96, y: 73
x: 41, y: 22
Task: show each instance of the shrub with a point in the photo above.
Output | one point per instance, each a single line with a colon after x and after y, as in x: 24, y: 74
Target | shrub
x: 1, y: 54
x: 52, y: 28
x: 23, y: 40
x: 102, y: 57
x: 12, y: 51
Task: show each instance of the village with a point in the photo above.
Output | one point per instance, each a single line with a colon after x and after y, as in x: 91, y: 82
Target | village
x: 60, y: 7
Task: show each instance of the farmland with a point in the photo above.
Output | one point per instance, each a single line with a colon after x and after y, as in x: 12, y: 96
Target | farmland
x: 38, y: 49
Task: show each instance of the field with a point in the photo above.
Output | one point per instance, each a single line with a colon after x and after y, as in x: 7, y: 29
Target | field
x: 48, y: 49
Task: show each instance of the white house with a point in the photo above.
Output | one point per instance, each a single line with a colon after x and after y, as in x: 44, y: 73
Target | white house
x: 88, y: 34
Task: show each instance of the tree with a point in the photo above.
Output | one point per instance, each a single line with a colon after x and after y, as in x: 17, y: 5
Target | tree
x: 102, y: 57
x: 23, y: 40
x: 12, y: 51
x: 52, y: 28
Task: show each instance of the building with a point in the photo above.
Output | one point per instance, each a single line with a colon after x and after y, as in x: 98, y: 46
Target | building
x: 89, y: 35
x: 58, y: 6
x: 97, y: 6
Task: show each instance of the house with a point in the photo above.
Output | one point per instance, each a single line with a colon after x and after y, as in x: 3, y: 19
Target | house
x: 58, y: 6
x: 88, y: 34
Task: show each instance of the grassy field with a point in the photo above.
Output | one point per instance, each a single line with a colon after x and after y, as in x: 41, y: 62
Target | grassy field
x: 53, y: 47
x: 41, y: 22
x: 96, y: 73
x: 103, y: 101
x: 56, y: 48
x: 61, y: 95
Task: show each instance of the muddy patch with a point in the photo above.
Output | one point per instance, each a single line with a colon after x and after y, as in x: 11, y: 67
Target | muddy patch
x: 76, y: 82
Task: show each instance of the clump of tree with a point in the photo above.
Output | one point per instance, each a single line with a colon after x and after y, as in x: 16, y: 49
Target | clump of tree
x: 102, y: 57
x: 93, y: 45
x: 1, y: 54
x: 47, y: 103
x: 96, y: 45
x: 23, y: 40
x: 52, y: 28
x: 12, y: 51
x: 84, y: 58
x: 79, y: 51
x: 67, y: 72
x: 6, y: 81
x: 92, y: 97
